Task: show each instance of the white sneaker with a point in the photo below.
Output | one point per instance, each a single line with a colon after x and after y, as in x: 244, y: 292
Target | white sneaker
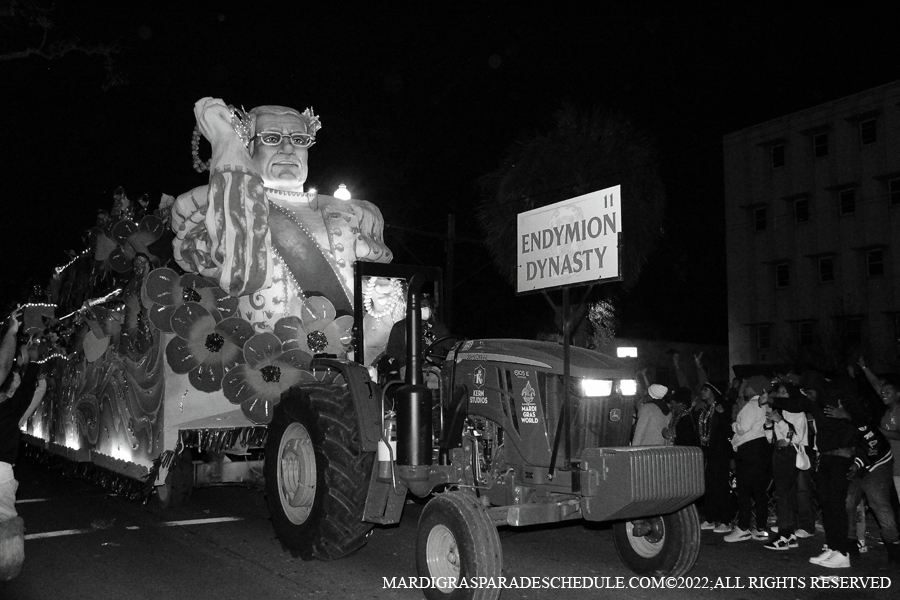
x: 837, y: 560
x: 782, y: 543
x: 722, y: 528
x: 707, y: 525
x: 825, y: 554
x: 802, y: 534
x: 760, y: 535
x: 738, y: 535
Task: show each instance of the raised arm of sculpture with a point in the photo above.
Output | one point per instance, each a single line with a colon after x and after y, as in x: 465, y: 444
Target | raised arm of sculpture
x: 222, y: 228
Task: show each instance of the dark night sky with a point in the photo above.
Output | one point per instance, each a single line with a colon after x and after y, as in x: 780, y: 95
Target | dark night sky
x: 417, y: 104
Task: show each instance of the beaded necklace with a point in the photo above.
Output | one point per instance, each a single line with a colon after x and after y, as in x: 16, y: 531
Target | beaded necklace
x: 290, y: 215
x: 704, y: 422
x: 395, y: 294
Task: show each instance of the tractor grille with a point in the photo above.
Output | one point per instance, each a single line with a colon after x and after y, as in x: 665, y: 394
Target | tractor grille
x: 635, y: 482
x: 594, y: 422
x: 659, y: 474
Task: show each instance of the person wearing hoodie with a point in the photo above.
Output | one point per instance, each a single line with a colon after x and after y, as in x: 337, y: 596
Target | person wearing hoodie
x: 872, y: 469
x: 653, y: 418
x: 752, y: 462
x: 836, y: 441
x: 712, y: 417
x: 681, y: 430
x: 786, y: 431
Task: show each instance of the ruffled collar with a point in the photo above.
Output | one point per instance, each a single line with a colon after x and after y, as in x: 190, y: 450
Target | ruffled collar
x: 290, y: 196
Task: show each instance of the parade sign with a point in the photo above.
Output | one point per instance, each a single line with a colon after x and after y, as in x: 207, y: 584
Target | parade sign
x: 571, y: 242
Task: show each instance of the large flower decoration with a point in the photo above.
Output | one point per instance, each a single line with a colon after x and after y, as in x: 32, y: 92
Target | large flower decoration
x: 269, y: 371
x: 206, y: 348
x: 168, y: 290
x: 133, y: 238
x: 318, y: 330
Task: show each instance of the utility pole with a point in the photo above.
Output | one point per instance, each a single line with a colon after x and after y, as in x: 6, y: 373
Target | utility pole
x: 448, y: 280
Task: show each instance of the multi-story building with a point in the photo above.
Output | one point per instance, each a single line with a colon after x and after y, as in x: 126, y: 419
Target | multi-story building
x: 813, y: 235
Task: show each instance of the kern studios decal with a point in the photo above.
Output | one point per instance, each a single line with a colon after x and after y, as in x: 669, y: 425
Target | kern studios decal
x: 478, y: 376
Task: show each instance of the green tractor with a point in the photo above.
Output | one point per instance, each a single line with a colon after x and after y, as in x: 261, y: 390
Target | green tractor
x: 494, y: 432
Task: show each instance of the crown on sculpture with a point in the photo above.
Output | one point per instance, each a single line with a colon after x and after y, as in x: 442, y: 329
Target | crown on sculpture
x: 312, y: 121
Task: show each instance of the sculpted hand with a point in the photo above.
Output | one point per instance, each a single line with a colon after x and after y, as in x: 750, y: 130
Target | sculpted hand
x: 214, y: 121
x: 213, y: 118
x: 861, y: 362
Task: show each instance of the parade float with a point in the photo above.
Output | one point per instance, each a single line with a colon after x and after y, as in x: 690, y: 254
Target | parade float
x: 148, y: 362
x: 163, y: 338
x: 248, y: 331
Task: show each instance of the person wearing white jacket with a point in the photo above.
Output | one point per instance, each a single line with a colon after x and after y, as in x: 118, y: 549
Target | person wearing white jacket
x: 786, y: 431
x: 752, y: 462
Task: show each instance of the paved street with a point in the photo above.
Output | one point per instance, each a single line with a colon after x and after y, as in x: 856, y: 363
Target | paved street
x: 87, y: 544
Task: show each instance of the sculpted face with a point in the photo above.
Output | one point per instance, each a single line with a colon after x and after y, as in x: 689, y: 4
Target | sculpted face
x: 284, y: 166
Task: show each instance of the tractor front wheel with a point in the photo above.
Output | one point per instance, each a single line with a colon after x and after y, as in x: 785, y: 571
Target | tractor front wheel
x: 666, y: 545
x: 316, y: 474
x: 457, y: 540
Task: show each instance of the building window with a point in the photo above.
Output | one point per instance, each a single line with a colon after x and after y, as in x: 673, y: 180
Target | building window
x: 826, y: 269
x: 875, y: 263
x: 759, y: 219
x: 763, y: 337
x: 806, y: 334
x: 867, y: 132
x: 848, y: 202
x: 820, y: 145
x: 801, y: 210
x: 851, y: 331
x: 778, y: 156
x: 894, y: 191
x: 782, y: 275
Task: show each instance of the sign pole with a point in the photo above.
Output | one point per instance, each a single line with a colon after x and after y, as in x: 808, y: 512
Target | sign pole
x: 567, y: 334
x: 573, y: 242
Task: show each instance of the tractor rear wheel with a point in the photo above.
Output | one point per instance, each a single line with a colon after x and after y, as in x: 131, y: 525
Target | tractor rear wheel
x: 670, y: 547
x: 316, y: 474
x: 456, y: 539
x: 179, y: 484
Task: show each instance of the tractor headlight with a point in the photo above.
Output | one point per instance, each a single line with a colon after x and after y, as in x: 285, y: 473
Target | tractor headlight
x: 592, y: 388
x: 628, y: 387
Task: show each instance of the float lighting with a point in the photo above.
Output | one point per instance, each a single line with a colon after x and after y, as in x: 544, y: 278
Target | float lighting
x: 342, y: 192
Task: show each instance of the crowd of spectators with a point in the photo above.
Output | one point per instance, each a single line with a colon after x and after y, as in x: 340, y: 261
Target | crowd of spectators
x: 807, y: 440
x: 21, y: 391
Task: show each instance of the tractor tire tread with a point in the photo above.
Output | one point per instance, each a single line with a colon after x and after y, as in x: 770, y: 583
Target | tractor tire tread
x: 333, y: 428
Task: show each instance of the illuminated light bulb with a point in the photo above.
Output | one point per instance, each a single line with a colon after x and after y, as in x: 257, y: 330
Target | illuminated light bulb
x: 342, y: 193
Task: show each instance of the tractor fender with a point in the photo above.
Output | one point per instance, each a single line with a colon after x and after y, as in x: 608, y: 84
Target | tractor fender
x: 366, y: 399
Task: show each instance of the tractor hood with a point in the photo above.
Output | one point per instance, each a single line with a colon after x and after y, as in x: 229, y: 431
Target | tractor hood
x: 546, y: 356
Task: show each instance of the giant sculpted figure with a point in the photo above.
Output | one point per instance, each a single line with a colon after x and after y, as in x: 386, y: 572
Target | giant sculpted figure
x: 282, y: 251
